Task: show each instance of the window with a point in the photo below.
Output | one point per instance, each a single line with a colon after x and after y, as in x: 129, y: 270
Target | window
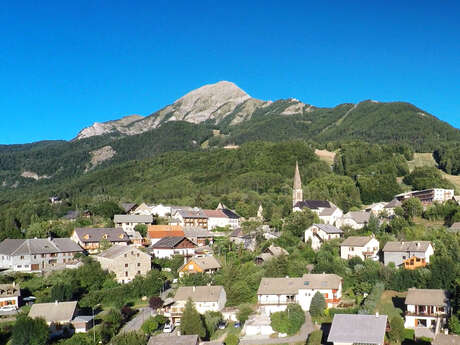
x: 126, y: 255
x: 126, y: 274
x: 138, y: 272
x: 126, y: 265
x: 35, y: 256
x: 138, y: 264
x: 22, y: 257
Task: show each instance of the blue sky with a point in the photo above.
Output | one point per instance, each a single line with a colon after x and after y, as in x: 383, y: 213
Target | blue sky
x: 67, y: 64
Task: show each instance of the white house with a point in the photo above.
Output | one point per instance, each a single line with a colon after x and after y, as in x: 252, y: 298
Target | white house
x: 158, y: 210
x: 355, y: 219
x: 391, y: 206
x: 365, y: 247
x: 400, y: 252
x: 427, y: 311
x: 167, y: 247
x: 274, y: 294
x: 326, y: 210
x: 129, y: 221
x: 428, y: 196
x: 376, y: 208
x: 320, y: 233
x: 222, y: 218
x: 349, y: 329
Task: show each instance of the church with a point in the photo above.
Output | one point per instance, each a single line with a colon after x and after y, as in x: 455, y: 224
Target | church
x: 326, y: 210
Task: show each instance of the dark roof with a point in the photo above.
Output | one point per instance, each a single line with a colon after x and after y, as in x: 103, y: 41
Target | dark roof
x: 88, y: 235
x: 38, y: 246
x: 128, y: 206
x: 169, y: 242
x: 230, y: 213
x: 313, y: 204
x: 353, y: 328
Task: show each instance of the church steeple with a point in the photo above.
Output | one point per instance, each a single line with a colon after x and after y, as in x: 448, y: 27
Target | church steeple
x: 297, y: 193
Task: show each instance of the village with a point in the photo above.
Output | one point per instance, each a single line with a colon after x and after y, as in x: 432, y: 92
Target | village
x: 200, y: 241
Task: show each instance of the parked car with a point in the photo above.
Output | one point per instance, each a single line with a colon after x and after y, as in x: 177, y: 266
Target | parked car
x: 8, y: 308
x: 168, y: 328
x: 237, y: 325
x: 222, y: 325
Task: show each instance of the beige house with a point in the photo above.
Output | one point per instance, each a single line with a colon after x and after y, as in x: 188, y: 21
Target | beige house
x: 365, y: 247
x: 354, y: 219
x: 125, y: 261
x: 207, y: 264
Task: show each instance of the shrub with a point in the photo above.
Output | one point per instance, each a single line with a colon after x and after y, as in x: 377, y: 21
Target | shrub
x: 318, y: 305
x: 288, y: 321
x: 315, y: 337
x: 231, y: 339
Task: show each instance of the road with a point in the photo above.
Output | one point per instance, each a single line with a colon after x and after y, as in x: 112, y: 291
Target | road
x: 136, y: 323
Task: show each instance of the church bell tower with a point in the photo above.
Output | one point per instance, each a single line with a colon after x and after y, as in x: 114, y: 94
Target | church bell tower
x: 297, y: 194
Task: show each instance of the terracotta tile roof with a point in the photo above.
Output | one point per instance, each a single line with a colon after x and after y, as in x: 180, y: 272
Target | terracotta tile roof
x: 160, y: 231
x: 214, y: 213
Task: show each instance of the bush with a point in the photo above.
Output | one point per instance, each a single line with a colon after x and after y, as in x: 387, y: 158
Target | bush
x: 288, y: 321
x: 243, y: 313
x: 318, y: 305
x: 149, y: 326
x: 315, y: 337
x: 231, y: 339
x: 396, y: 333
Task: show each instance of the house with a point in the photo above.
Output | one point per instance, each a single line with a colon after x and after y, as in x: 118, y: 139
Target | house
x: 128, y: 207
x: 169, y: 339
x: 409, y: 254
x: 207, y: 264
x: 427, y: 311
x: 270, y: 253
x: 57, y: 315
x: 128, y: 222
x: 90, y: 238
x: 248, y: 241
x: 190, y: 218
x: 365, y: 247
x: 201, y: 237
x: 348, y: 329
x: 376, y: 208
x: 454, y: 228
x: 446, y: 339
x: 320, y: 233
x: 125, y: 261
x: 157, y: 210
x: 157, y: 232
x: 274, y: 294
x: 428, y: 196
x: 10, y: 295
x: 37, y: 254
x: 222, y: 217
x: 391, y: 206
x: 354, y: 219
x: 74, y: 215
x: 167, y: 247
x: 326, y: 210
x: 205, y: 298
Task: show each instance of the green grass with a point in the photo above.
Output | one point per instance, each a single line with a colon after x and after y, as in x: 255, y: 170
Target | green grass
x: 386, y: 304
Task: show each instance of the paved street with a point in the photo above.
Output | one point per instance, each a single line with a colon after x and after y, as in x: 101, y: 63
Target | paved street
x: 136, y: 323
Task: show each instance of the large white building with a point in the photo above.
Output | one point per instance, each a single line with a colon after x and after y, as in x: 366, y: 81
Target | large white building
x: 274, y: 294
x: 428, y: 196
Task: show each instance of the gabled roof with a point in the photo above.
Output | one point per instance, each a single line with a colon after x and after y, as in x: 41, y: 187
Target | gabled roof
x: 199, y: 293
x: 160, y: 231
x: 436, y: 297
x: 128, y: 206
x: 61, y: 312
x: 328, y: 229
x: 169, y: 242
x: 167, y: 339
x: 88, y: 235
x: 356, y: 241
x: 205, y: 263
x: 321, y: 281
x: 329, y: 211
x: 359, y: 217
x: 214, y: 214
x: 116, y: 251
x: 72, y: 215
x: 313, y: 204
x: 193, y: 213
x: 132, y: 218
x: 276, y: 251
x: 286, y: 286
x: 38, y: 246
x: 413, y: 246
x: 9, y: 290
x: 393, y: 203
x: 230, y: 213
x: 446, y: 339
x: 353, y: 328
x: 197, y: 232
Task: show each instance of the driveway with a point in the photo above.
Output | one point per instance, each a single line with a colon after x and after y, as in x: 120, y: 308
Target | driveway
x: 136, y: 323
x: 302, y: 336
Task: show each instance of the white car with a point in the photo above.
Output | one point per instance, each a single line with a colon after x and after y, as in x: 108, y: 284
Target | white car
x: 168, y: 328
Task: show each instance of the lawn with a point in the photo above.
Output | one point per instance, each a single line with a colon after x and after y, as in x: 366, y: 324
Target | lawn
x: 391, y: 303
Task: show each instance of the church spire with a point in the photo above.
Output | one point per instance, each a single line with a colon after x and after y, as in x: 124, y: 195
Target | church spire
x: 297, y: 193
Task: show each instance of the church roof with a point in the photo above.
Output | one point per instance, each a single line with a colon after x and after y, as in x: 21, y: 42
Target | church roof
x: 297, y: 181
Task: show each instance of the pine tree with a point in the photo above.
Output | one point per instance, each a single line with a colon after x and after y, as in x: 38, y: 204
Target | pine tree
x: 191, y: 322
x: 318, y: 304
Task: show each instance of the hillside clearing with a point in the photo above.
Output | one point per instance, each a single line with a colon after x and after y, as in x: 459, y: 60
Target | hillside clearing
x: 326, y: 156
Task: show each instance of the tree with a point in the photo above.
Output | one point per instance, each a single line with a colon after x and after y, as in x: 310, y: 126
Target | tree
x: 61, y: 292
x: 129, y: 338
x: 232, y: 339
x: 318, y: 305
x: 155, y: 302
x: 142, y: 229
x: 315, y: 337
x: 288, y: 321
x: 412, y: 208
x: 78, y: 339
x: 454, y: 324
x: 244, y: 311
x: 396, y: 333
x: 190, y: 322
x: 28, y: 331
x: 149, y: 326
x: 297, y: 222
x: 211, y: 321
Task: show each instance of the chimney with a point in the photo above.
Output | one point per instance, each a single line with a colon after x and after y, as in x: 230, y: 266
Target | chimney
x: 377, y: 314
x: 194, y: 288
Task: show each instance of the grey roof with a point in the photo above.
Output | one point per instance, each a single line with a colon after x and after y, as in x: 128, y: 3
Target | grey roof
x: 436, y: 297
x: 199, y: 293
x: 193, y: 213
x: 276, y: 251
x: 455, y: 227
x: 128, y: 206
x: 354, y: 328
x: 197, y: 232
x: 414, y: 246
x: 393, y: 203
x: 169, y: 242
x: 166, y: 339
x: 446, y: 339
x: 88, y: 235
x: 329, y: 229
x: 9, y: 290
x: 281, y: 286
x: 54, y: 312
x: 82, y: 318
x: 356, y: 241
x: 132, y: 218
x: 328, y: 211
x: 38, y: 246
x: 116, y: 251
x: 205, y: 263
x: 313, y: 204
x: 359, y: 217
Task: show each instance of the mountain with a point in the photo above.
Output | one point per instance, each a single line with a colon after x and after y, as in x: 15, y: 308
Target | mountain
x: 219, y: 115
